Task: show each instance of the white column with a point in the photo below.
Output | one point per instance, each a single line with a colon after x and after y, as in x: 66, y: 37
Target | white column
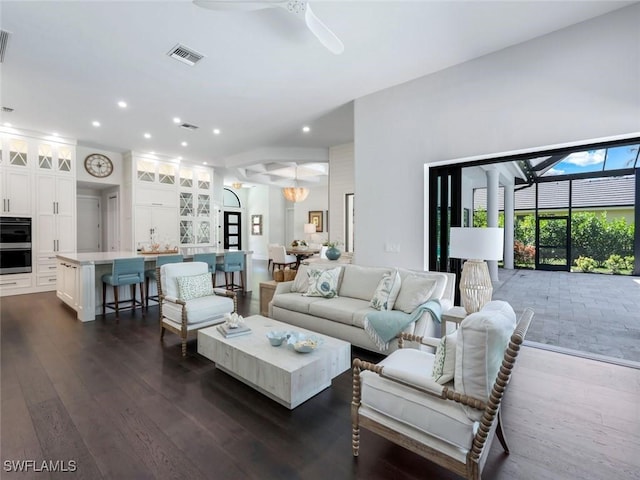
x: 492, y: 213
x: 508, y: 226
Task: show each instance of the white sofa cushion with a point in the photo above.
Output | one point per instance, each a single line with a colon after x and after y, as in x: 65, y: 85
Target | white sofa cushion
x: 340, y: 309
x: 434, y: 416
x: 414, y: 291
x: 361, y: 282
x: 444, y: 365
x: 387, y: 291
x: 294, y: 302
x: 439, y: 277
x: 482, y: 339
x: 199, y: 310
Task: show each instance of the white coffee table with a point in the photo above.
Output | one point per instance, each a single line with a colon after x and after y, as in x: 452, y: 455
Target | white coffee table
x: 280, y: 373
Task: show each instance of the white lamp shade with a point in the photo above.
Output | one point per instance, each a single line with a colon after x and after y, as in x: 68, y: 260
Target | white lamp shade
x: 476, y: 243
x: 309, y: 228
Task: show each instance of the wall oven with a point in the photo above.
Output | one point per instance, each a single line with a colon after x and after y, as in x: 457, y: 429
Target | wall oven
x: 15, y: 245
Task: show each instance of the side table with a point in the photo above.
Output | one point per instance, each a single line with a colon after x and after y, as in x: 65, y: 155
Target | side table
x: 267, y: 290
x: 455, y: 315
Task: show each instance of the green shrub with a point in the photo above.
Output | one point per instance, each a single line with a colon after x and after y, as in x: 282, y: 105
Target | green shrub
x: 629, y: 262
x: 586, y: 264
x: 615, y: 263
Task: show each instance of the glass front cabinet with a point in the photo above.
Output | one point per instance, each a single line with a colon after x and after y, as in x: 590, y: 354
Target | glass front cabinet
x: 196, y: 196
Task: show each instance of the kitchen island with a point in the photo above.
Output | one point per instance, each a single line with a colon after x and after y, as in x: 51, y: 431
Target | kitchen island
x: 79, y: 276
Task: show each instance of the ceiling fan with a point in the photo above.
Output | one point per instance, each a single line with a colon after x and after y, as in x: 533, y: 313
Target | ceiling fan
x: 300, y: 8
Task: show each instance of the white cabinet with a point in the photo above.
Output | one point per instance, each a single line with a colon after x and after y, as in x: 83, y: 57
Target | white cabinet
x: 54, y: 158
x: 155, y: 224
x: 196, y: 198
x: 56, y: 228
x: 15, y: 185
x: 68, y: 283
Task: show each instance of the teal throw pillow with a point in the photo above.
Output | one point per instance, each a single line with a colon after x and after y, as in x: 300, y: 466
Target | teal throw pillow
x: 195, y: 286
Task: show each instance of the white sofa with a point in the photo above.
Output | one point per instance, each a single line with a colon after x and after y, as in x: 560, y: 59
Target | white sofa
x: 343, y: 316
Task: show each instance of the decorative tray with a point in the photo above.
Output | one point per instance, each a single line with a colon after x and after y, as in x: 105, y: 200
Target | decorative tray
x: 158, y: 252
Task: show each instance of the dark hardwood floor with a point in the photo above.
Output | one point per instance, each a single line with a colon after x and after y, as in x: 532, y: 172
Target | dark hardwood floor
x: 114, y: 400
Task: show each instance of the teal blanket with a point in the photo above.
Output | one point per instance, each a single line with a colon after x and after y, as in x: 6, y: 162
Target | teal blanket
x: 385, y: 325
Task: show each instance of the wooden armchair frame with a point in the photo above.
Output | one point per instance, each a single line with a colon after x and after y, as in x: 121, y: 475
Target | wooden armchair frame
x: 489, y: 423
x: 183, y: 332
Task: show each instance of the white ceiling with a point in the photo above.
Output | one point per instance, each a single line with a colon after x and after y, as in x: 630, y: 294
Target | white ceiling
x: 263, y: 77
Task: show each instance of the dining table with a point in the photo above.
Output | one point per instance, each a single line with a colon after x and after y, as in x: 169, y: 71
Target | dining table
x: 302, y: 253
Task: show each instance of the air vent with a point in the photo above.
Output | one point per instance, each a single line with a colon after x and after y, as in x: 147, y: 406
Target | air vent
x: 7, y: 109
x: 4, y: 40
x: 185, y: 55
x: 188, y: 126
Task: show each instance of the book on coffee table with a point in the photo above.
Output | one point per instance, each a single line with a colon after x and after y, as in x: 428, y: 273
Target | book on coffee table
x: 233, y: 332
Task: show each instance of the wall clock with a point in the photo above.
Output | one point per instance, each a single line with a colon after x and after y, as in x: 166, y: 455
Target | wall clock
x: 98, y: 165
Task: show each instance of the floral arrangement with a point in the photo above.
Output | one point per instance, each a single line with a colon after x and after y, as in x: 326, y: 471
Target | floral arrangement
x: 332, y: 244
x: 299, y: 243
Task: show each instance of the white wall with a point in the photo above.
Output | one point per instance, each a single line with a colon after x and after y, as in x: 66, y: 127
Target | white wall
x: 318, y: 199
x: 258, y: 204
x: 341, y: 182
x: 576, y: 84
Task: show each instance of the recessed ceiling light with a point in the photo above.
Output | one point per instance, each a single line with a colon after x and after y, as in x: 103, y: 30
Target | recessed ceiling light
x: 216, y: 131
x: 7, y: 124
x: 306, y: 129
x: 179, y: 158
x: 152, y: 153
x: 122, y: 104
x: 184, y: 144
x: 55, y: 134
x: 147, y: 135
x: 204, y: 163
x: 95, y: 123
x: 176, y: 119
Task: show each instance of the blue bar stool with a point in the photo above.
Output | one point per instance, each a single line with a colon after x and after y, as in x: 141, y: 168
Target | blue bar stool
x: 233, y: 262
x: 152, y: 274
x: 126, y: 271
x: 210, y: 260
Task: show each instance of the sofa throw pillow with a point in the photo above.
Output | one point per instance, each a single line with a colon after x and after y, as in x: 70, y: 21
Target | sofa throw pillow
x: 386, y: 291
x: 195, y: 286
x: 301, y: 282
x: 323, y: 283
x: 444, y: 364
x: 414, y: 291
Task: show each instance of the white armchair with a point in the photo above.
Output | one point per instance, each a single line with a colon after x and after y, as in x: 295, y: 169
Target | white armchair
x: 188, y: 302
x: 451, y: 423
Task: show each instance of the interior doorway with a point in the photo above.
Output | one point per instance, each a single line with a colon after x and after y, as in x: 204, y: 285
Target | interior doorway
x: 89, y: 226
x: 113, y: 223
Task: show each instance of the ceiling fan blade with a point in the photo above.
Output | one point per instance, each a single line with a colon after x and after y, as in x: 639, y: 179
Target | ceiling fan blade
x: 322, y: 32
x: 236, y: 5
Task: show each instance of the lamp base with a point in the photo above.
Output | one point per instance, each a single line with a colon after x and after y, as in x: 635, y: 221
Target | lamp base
x: 475, y: 285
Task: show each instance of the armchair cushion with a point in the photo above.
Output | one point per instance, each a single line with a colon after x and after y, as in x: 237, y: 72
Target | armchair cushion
x: 431, y: 415
x: 199, y: 310
x: 387, y: 291
x: 414, y: 290
x: 195, y: 286
x: 171, y: 271
x: 482, y: 339
x: 444, y: 365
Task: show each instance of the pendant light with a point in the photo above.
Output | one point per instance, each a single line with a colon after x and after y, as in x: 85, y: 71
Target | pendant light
x: 295, y: 194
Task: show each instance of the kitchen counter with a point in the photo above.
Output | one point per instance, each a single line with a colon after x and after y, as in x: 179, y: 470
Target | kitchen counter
x: 79, y: 276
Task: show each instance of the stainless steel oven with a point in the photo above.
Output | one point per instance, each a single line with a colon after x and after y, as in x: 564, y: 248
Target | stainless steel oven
x: 15, y: 245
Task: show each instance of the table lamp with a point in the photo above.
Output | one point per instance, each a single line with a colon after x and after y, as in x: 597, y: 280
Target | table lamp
x: 309, y: 229
x: 476, y: 245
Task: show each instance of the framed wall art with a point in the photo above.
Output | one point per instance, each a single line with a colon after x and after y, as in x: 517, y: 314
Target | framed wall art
x: 315, y: 217
x: 256, y: 224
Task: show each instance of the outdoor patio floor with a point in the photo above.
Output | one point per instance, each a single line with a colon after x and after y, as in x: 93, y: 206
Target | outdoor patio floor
x: 591, y: 313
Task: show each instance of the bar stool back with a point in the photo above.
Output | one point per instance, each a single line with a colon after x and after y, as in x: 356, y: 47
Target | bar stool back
x: 152, y: 274
x: 126, y: 271
x: 233, y: 262
x: 209, y: 259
